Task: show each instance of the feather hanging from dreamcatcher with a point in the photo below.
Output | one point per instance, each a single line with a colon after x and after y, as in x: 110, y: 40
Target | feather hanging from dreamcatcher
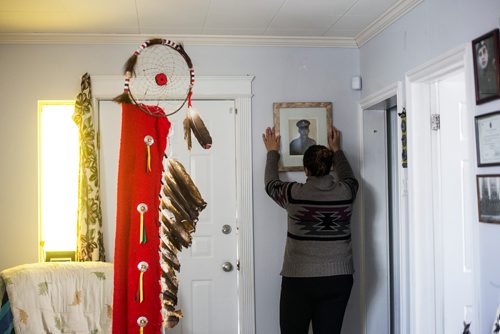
x: 194, y: 124
x: 181, y: 204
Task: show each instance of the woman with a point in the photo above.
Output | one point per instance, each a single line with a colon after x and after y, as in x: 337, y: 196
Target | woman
x: 317, y: 268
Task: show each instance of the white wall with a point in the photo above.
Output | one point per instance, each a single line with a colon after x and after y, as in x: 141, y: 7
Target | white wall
x: 30, y: 73
x: 430, y: 30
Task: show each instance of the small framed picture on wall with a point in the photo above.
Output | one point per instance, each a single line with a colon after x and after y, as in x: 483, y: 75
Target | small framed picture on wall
x: 488, y: 198
x: 488, y: 139
x: 486, y: 67
x: 300, y: 125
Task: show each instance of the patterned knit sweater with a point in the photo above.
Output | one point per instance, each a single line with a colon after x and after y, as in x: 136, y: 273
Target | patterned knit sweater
x: 319, y: 215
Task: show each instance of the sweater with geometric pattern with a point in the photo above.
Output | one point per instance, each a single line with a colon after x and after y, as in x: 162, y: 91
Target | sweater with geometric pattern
x: 319, y: 219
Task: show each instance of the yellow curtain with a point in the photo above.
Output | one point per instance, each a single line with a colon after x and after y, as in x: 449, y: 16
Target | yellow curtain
x: 90, y: 246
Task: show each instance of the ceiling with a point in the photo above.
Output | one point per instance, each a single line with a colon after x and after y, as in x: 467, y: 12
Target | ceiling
x: 331, y: 22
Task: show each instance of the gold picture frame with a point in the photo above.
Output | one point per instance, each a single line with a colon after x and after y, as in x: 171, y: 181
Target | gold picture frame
x: 300, y: 124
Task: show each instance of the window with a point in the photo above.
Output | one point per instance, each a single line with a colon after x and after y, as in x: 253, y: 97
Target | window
x: 58, y: 159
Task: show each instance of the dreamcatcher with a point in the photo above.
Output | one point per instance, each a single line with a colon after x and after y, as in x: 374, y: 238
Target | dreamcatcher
x: 158, y: 203
x: 161, y: 72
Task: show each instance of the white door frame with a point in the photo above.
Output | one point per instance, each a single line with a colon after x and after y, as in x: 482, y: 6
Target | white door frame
x: 238, y: 89
x: 424, y: 315
x: 395, y: 89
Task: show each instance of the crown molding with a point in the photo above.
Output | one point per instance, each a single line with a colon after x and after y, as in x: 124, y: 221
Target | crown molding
x: 215, y: 40
x: 390, y: 16
x: 396, y: 11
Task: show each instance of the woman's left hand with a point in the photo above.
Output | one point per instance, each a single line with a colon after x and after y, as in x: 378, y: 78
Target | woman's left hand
x: 271, y: 140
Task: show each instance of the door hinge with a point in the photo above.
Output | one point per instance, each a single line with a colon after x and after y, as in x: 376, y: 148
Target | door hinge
x: 435, y: 122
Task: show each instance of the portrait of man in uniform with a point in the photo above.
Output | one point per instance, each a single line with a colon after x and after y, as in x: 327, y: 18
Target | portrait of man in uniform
x: 486, y: 71
x: 299, y: 144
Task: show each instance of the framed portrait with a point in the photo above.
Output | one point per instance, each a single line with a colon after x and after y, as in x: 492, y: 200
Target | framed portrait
x: 488, y: 190
x: 300, y: 124
x: 488, y: 139
x: 486, y: 67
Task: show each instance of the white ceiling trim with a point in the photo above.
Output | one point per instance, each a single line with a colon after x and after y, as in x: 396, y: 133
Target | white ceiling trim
x: 135, y: 39
x: 390, y: 16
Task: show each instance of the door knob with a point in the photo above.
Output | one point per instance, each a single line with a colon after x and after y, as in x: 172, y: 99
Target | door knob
x: 226, y: 229
x: 227, y: 267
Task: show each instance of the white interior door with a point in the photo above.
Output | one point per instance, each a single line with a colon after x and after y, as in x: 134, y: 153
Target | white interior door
x: 376, y: 223
x: 441, y: 225
x: 452, y: 211
x: 208, y: 295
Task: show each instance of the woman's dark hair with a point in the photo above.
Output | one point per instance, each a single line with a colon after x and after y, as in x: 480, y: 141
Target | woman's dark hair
x: 318, y: 160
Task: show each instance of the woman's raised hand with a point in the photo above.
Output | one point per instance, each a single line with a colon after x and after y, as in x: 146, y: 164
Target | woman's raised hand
x: 334, y: 139
x: 271, y: 140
